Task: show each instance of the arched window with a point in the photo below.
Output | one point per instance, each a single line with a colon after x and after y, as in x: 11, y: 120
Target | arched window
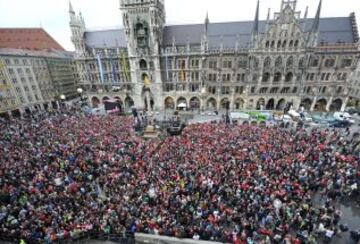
x: 143, y: 64
x: 272, y: 44
x: 284, y: 44
x: 266, y: 77
x: 289, y: 77
x: 278, y: 63
x: 296, y: 43
x: 290, y: 62
x: 279, y: 44
x: 291, y: 43
x: 267, y: 44
x: 301, y: 62
x: 277, y: 77
x: 267, y: 62
x: 314, y: 61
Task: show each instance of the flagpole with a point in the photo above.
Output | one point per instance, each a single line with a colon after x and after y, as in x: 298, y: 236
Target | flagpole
x: 100, y: 68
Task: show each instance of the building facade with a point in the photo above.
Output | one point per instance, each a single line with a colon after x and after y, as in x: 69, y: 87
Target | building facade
x: 34, y: 80
x: 288, y: 59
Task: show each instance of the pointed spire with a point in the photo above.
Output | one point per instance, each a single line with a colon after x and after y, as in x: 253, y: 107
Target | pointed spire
x: 305, y: 18
x: 315, y: 27
x: 268, y: 15
x: 207, y: 22
x: 256, y: 21
x: 306, y: 12
x: 71, y: 9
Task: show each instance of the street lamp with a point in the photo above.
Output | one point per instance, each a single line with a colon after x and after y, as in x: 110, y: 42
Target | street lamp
x: 62, y: 98
x: 80, y: 90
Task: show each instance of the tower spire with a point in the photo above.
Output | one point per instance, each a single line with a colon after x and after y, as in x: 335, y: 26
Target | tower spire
x: 306, y: 12
x: 256, y: 21
x: 207, y: 22
x: 71, y: 9
x: 315, y: 27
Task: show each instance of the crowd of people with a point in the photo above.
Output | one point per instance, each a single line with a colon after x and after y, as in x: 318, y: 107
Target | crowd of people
x: 65, y: 174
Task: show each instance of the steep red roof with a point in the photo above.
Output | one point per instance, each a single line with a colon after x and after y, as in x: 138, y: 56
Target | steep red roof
x: 27, y: 38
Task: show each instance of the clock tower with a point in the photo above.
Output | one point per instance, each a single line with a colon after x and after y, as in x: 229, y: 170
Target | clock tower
x: 143, y: 22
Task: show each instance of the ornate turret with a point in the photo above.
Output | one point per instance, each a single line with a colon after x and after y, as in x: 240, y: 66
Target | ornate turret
x: 77, y: 25
x: 314, y: 32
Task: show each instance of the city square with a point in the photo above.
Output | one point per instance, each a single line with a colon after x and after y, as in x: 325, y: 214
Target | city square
x: 219, y: 132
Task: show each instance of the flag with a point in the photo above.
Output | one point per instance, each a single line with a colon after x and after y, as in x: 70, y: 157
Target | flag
x: 113, y: 70
x: 147, y: 81
x: 182, y: 72
x: 124, y: 66
x: 166, y: 66
x: 100, y: 68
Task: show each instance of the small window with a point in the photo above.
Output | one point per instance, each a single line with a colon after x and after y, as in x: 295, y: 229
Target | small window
x: 346, y: 63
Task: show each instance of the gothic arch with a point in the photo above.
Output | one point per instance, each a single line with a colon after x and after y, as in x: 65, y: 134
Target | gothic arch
x: 224, y: 102
x: 281, y: 104
x: 105, y: 99
x: 277, y: 77
x: 118, y: 99
x: 321, y: 105
x: 289, y: 77
x: 195, y: 103
x: 211, y: 103
x: 95, y: 102
x: 169, y: 103
x: 290, y: 62
x: 239, y: 103
x: 143, y: 64
x: 296, y: 43
x: 291, y: 43
x: 272, y: 44
x: 181, y: 100
x: 129, y: 102
x: 270, y: 104
x: 278, y: 63
x: 267, y: 62
x: 260, y: 104
x: 336, y: 105
x: 306, y: 103
x: 266, y: 77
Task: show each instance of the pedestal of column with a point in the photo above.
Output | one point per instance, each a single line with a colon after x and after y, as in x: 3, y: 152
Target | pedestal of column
x: 150, y: 130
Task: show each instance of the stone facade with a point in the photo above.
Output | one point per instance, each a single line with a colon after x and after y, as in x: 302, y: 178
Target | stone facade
x: 282, y: 61
x: 34, y: 80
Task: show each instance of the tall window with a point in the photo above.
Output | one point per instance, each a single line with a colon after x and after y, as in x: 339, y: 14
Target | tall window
x: 212, y: 64
x: 267, y: 62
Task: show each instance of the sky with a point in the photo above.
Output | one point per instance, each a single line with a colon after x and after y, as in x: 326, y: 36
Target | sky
x: 53, y: 15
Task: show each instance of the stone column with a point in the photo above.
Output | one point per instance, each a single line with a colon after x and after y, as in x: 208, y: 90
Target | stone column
x: 343, y: 106
x: 329, y: 103
x: 313, y: 104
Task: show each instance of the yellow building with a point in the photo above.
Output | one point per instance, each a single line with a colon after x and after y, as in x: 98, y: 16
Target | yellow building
x: 8, y: 99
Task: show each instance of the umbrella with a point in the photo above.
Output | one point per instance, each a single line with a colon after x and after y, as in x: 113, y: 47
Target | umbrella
x: 182, y: 105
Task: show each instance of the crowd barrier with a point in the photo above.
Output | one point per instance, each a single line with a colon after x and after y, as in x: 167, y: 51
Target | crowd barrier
x: 156, y: 239
x: 126, y: 238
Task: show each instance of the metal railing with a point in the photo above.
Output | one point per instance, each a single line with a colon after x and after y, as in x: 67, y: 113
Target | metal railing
x: 125, y: 238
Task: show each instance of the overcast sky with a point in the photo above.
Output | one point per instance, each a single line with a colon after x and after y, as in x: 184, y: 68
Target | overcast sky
x: 53, y: 16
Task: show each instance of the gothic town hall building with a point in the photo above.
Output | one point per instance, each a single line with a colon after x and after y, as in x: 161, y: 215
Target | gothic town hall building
x: 287, y: 59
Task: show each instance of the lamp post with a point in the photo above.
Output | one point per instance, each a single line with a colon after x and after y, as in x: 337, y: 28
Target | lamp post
x: 62, y: 98
x: 80, y: 92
